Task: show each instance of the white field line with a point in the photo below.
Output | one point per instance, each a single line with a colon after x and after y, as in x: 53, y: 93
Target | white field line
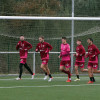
x: 46, y: 86
x: 33, y: 79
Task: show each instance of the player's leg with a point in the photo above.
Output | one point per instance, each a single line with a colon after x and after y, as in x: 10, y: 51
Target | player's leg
x: 84, y: 70
x: 20, y: 71
x: 62, y: 67
x: 95, y: 68
x: 62, y: 64
x: 67, y: 66
x: 96, y: 71
x: 65, y: 71
x: 82, y: 67
x: 30, y: 71
x: 47, y: 69
x: 44, y: 62
x: 90, y: 72
x: 77, y: 73
x: 28, y: 68
x: 44, y: 66
x: 69, y: 74
x: 93, y: 79
x: 48, y: 72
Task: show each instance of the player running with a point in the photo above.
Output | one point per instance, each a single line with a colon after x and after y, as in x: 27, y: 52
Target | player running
x: 93, y: 52
x: 23, y: 47
x: 65, y: 58
x: 80, y: 59
x: 44, y: 48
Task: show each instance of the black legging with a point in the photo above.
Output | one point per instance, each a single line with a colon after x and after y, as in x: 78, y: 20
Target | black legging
x: 21, y: 69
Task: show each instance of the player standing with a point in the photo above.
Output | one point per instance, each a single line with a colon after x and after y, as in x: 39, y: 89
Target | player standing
x: 44, y: 48
x: 80, y: 59
x: 23, y: 47
x: 65, y: 58
x: 93, y: 52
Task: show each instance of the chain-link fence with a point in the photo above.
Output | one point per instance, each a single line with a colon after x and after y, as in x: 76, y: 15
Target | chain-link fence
x: 52, y: 30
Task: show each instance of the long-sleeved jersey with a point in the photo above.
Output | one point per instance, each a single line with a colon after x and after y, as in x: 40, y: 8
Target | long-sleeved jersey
x: 81, y: 53
x: 65, y: 52
x: 93, y: 52
x: 23, y: 47
x: 44, y: 49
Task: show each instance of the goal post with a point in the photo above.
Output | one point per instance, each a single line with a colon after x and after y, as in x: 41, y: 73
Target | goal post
x: 12, y: 26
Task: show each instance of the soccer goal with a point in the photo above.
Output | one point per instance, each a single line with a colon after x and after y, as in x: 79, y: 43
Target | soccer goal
x: 52, y: 28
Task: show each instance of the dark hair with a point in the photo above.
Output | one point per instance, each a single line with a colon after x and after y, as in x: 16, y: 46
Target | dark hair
x: 79, y: 40
x: 64, y: 38
x: 90, y: 39
x: 41, y: 37
x: 21, y: 35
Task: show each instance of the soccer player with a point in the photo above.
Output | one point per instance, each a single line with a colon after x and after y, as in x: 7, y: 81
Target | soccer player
x: 23, y: 47
x: 44, y: 48
x: 93, y: 52
x: 80, y: 59
x: 65, y: 58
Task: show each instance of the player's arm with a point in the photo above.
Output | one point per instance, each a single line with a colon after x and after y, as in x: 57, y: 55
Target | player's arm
x: 59, y: 55
x: 49, y: 48
x: 87, y: 55
x: 97, y: 51
x: 29, y: 46
x: 17, y: 46
x: 75, y: 53
x: 37, y: 48
x: 67, y: 53
x: 83, y: 52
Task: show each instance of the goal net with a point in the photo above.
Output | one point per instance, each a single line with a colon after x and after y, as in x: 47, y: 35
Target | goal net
x: 52, y: 30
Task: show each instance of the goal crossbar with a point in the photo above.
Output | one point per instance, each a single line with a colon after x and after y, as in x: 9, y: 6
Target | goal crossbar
x: 48, y: 18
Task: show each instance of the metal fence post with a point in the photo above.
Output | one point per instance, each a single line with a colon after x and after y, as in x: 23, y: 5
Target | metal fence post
x: 99, y: 62
x: 72, y: 37
x: 34, y: 63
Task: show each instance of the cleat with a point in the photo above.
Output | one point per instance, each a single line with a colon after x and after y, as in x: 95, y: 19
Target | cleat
x: 18, y: 78
x: 50, y: 79
x: 77, y: 80
x: 68, y: 80
x: 90, y: 82
x: 32, y: 76
x: 45, y: 77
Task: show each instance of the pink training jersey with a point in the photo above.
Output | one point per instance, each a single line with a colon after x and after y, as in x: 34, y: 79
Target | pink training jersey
x: 44, y: 49
x: 65, y: 52
x: 81, y: 53
x: 93, y: 52
x: 23, y: 47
